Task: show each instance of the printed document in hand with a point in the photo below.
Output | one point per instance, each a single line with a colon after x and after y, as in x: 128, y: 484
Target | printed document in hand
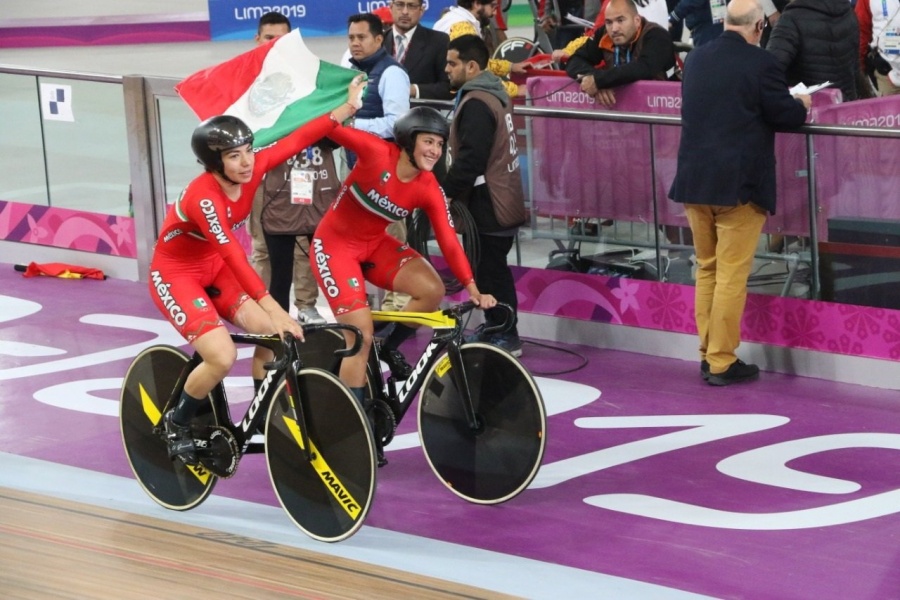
x: 801, y: 88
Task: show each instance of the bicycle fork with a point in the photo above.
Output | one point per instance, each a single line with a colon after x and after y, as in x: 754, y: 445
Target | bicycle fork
x: 458, y: 374
x: 295, y: 409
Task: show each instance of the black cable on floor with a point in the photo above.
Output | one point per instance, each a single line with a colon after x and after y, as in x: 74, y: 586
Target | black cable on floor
x: 584, y: 360
x: 418, y: 237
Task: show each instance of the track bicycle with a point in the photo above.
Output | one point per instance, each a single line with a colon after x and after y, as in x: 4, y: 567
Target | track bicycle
x: 482, y: 422
x: 317, y: 440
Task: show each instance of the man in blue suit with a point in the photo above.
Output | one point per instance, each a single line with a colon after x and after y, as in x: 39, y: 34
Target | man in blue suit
x: 734, y: 99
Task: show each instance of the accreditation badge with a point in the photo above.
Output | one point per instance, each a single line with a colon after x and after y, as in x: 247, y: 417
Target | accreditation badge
x: 889, y: 42
x: 302, y: 186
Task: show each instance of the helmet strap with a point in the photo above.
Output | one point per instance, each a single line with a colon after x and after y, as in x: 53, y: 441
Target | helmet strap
x: 221, y: 170
x: 409, y: 152
x: 412, y: 158
x: 221, y: 173
x: 225, y: 177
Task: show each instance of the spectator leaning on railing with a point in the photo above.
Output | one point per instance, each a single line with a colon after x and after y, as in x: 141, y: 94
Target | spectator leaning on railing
x: 626, y: 49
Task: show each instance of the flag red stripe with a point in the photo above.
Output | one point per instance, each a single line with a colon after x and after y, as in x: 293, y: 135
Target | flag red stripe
x: 211, y: 91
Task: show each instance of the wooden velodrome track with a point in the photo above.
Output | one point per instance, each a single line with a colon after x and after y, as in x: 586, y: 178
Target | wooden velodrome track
x: 52, y: 548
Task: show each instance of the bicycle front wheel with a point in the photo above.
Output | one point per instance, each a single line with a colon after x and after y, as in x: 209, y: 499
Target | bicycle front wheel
x: 327, y: 493
x: 147, y: 388
x: 500, y: 456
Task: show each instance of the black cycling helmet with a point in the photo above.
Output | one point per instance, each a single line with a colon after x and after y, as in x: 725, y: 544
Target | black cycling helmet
x: 421, y: 119
x: 216, y: 134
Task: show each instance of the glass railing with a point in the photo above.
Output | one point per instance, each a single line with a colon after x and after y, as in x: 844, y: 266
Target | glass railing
x: 176, y: 122
x: 23, y: 173
x: 64, y: 143
x: 126, y: 151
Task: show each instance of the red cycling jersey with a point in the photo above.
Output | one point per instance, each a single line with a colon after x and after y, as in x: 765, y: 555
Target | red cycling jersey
x: 196, y: 248
x: 352, y: 232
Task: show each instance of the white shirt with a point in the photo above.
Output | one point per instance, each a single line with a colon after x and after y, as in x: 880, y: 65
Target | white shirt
x: 407, y: 36
x: 656, y: 11
x: 455, y: 15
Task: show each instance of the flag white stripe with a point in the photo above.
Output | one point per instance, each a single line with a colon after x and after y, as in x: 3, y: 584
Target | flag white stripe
x: 288, y: 74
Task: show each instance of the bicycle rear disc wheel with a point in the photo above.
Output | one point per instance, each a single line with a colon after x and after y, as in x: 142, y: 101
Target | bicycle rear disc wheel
x: 317, y: 351
x: 498, y: 459
x: 147, y: 387
x: 329, y: 496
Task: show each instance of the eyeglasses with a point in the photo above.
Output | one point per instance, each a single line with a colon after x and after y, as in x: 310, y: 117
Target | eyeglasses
x: 404, y: 6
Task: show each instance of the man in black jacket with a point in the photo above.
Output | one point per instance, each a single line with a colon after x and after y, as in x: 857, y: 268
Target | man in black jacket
x: 421, y: 51
x: 484, y: 174
x: 626, y: 49
x: 734, y: 98
x: 816, y: 41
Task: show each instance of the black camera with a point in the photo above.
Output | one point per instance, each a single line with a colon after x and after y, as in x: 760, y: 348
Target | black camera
x: 875, y: 63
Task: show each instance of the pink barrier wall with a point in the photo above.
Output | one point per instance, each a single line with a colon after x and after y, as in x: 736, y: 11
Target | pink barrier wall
x: 97, y: 31
x: 773, y: 320
x: 76, y: 230
x: 65, y: 228
x: 856, y: 176
x: 602, y: 169
x: 791, y: 176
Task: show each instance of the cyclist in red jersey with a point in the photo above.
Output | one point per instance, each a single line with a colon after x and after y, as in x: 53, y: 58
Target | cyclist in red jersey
x: 197, y: 251
x: 350, y: 245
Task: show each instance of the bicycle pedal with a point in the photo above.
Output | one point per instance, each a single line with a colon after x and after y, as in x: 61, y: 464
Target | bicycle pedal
x: 218, y: 452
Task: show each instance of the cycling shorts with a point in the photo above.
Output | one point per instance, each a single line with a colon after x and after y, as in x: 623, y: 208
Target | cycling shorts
x: 180, y: 290
x: 342, y: 266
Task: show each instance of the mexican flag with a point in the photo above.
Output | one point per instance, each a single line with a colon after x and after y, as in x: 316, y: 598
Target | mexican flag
x: 273, y: 88
x: 62, y: 270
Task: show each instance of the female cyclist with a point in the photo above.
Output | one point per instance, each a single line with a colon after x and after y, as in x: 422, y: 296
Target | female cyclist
x: 350, y: 245
x: 196, y: 252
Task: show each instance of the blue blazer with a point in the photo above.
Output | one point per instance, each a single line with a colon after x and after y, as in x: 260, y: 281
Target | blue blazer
x: 734, y: 99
